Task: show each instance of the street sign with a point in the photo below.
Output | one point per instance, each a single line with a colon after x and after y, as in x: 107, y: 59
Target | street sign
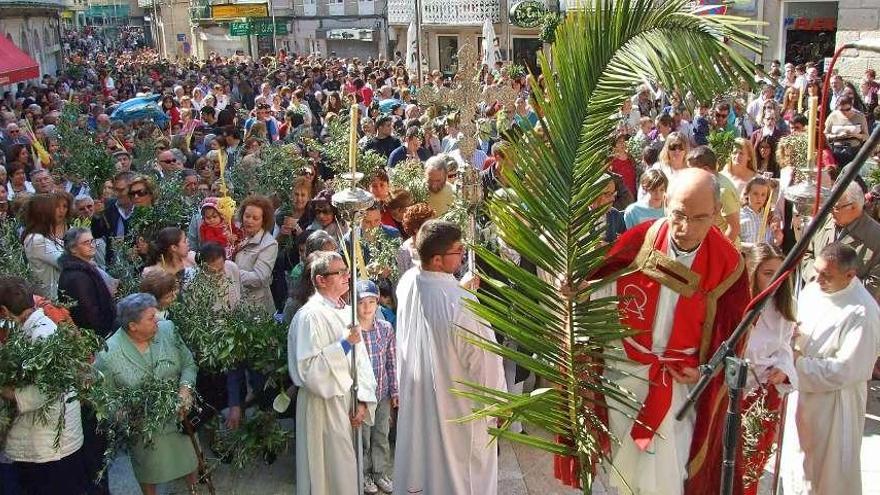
x: 258, y: 27
x: 181, y: 37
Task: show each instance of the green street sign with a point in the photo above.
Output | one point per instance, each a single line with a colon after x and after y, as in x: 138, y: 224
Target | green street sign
x: 257, y: 27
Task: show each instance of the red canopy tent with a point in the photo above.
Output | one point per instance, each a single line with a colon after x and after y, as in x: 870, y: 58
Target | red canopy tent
x: 15, y: 65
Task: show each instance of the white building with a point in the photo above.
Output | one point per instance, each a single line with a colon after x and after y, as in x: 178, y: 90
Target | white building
x: 34, y: 26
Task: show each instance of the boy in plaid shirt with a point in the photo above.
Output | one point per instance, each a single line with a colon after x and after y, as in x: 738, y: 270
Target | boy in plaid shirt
x: 379, y: 339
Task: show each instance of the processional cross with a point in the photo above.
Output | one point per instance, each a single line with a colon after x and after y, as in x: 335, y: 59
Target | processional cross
x: 464, y: 97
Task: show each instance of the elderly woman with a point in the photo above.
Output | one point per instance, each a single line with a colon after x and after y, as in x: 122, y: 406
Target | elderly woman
x: 256, y: 253
x: 83, y: 283
x: 141, y: 347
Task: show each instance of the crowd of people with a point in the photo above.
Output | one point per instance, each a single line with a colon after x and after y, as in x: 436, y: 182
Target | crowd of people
x: 288, y: 254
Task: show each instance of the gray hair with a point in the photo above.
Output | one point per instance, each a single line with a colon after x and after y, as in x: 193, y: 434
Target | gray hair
x: 844, y: 256
x: 320, y: 263
x: 178, y: 155
x: 437, y: 162
x: 83, y: 197
x: 71, y: 238
x: 131, y: 307
x: 855, y: 194
x: 316, y: 240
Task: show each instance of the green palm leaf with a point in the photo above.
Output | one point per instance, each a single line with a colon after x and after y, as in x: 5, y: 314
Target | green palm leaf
x: 601, y: 53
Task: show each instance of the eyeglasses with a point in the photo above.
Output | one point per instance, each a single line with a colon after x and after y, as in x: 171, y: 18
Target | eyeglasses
x: 841, y: 207
x: 139, y: 193
x: 87, y: 242
x: 451, y: 253
x: 172, y: 160
x: 337, y: 272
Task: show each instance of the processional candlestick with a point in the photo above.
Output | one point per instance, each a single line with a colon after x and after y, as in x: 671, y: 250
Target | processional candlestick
x: 351, y: 203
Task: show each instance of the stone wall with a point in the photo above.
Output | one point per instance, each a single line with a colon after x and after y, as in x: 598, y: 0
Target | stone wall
x: 857, y: 20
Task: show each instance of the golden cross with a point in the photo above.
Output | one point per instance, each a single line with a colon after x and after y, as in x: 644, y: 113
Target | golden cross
x: 464, y: 97
x: 502, y: 93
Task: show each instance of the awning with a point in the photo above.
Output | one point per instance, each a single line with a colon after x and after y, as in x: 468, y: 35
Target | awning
x: 15, y: 65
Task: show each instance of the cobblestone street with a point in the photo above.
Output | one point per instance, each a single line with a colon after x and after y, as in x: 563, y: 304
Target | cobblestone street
x: 522, y: 471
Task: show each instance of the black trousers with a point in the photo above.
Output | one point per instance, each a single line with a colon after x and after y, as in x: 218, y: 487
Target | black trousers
x: 67, y: 475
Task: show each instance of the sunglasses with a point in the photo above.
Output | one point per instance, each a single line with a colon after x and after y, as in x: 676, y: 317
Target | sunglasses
x: 169, y: 161
x: 323, y: 211
x: 139, y: 193
x: 676, y: 147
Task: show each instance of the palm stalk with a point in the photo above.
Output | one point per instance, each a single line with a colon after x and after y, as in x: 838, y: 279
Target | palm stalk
x: 567, y: 334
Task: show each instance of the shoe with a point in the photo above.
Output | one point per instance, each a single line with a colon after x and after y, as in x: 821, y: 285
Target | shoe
x: 369, y: 485
x: 384, y: 484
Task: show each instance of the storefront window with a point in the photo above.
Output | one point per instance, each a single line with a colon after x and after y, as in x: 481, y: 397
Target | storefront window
x: 447, y: 48
x: 810, y: 31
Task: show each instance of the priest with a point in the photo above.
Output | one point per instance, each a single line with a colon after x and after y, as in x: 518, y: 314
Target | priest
x: 434, y: 454
x: 320, y: 341
x: 836, y: 345
x: 682, y: 289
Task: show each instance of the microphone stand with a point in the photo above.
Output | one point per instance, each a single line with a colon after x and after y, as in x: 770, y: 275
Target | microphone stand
x: 725, y: 354
x: 351, y: 203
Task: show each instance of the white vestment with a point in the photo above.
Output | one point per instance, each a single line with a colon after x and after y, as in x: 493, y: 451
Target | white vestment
x: 769, y: 346
x: 434, y: 455
x: 824, y: 425
x: 662, y: 468
x: 320, y: 367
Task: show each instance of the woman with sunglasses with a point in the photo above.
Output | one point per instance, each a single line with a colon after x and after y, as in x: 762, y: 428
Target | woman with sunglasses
x: 325, y: 216
x: 672, y: 156
x: 846, y: 129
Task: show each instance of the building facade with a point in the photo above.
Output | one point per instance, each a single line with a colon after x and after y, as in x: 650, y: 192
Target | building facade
x: 35, y: 27
x: 448, y: 25
x: 348, y: 28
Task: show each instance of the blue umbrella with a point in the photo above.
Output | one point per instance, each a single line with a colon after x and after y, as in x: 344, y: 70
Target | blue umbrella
x: 143, y: 107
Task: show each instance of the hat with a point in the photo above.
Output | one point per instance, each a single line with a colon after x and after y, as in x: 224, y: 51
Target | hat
x: 119, y: 153
x: 367, y: 288
x: 209, y: 202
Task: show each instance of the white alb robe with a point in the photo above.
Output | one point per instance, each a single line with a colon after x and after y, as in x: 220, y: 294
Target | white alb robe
x: 434, y: 455
x: 839, y: 341
x: 769, y: 346
x: 319, y: 366
x: 662, y: 468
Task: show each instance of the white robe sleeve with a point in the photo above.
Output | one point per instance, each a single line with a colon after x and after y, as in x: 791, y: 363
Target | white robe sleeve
x: 852, y: 363
x: 785, y: 359
x: 321, y: 366
x: 366, y: 383
x: 483, y: 367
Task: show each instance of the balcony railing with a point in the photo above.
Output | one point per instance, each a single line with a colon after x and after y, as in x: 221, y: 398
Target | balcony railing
x: 446, y: 12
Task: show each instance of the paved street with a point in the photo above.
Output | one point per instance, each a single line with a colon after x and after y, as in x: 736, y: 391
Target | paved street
x: 522, y: 471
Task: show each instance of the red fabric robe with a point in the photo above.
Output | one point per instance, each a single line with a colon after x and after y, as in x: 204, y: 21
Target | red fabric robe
x: 704, y: 465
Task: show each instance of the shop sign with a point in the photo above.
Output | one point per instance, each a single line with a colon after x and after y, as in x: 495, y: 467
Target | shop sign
x: 350, y: 34
x: 237, y: 11
x: 528, y: 13
x: 258, y: 27
x: 811, y: 24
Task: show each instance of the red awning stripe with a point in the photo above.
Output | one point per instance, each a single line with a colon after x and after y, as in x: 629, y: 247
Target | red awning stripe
x: 15, y: 65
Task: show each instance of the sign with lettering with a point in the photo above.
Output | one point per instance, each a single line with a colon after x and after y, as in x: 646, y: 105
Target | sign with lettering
x: 811, y: 24
x: 528, y: 13
x: 237, y: 11
x: 258, y: 27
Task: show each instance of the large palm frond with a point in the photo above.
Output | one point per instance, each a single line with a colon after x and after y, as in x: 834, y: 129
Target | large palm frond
x: 602, y: 52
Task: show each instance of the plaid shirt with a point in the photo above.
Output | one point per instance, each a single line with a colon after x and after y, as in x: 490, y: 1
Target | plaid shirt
x: 382, y: 349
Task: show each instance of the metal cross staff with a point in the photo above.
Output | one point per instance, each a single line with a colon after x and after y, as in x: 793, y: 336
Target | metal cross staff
x: 352, y: 202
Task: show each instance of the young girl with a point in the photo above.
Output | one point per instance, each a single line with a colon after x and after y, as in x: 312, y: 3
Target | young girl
x: 769, y: 352
x: 755, y: 197
x: 215, y: 228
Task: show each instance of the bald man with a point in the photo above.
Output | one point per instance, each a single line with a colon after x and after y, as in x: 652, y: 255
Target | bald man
x: 684, y: 290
